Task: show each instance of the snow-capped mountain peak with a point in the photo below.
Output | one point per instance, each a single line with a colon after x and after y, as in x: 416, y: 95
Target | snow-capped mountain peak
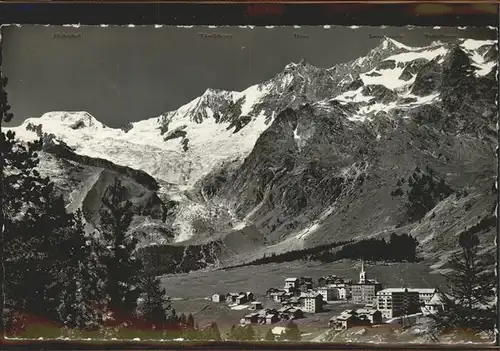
x: 228, y: 123
x: 73, y: 120
x: 215, y: 144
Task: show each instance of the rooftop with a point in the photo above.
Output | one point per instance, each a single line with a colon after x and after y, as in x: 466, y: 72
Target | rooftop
x: 365, y: 311
x: 310, y: 295
x: 395, y: 290
x: 368, y: 282
x: 278, y: 330
x: 250, y: 315
x: 291, y: 279
x: 424, y: 290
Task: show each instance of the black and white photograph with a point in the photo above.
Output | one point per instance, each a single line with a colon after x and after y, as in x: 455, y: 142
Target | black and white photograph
x: 319, y: 184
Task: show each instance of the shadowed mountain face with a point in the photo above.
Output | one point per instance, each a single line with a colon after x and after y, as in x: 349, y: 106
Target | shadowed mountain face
x: 310, y: 157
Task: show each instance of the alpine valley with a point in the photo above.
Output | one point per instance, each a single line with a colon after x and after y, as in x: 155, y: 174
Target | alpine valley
x: 311, y: 157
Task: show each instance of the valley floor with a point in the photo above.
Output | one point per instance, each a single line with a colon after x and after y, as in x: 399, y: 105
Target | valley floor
x: 190, y: 292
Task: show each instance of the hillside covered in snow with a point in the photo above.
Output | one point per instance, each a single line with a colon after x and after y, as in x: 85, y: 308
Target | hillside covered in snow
x: 309, y: 157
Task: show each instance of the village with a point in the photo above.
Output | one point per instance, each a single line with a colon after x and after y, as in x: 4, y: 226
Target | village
x: 300, y: 298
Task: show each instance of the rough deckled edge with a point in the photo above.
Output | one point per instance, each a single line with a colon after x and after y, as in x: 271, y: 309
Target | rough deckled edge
x: 2, y: 263
x: 326, y: 26
x: 497, y: 76
x: 497, y: 211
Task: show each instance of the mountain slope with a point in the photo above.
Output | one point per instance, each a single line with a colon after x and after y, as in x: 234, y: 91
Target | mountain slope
x: 313, y: 155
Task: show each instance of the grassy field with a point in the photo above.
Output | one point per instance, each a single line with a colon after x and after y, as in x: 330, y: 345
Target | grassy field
x: 189, y: 292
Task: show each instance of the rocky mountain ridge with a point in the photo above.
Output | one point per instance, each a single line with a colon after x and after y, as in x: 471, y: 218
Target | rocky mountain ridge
x: 313, y: 155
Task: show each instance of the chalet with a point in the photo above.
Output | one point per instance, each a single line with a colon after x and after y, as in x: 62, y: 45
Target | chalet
x: 218, y: 297
x: 263, y: 314
x: 292, y: 282
x: 250, y: 318
x: 348, y: 319
x: 231, y: 298
x: 292, y: 313
x: 306, y: 286
x: 312, y: 302
x: 272, y: 318
x: 434, y: 305
x: 277, y: 296
x: 286, y: 297
x: 306, y: 283
x: 256, y: 305
x: 424, y: 294
x: 272, y: 290
x: 293, y: 302
x: 292, y: 290
x: 284, y: 309
x: 241, y: 299
x: 373, y: 315
x: 278, y: 331
x: 250, y: 296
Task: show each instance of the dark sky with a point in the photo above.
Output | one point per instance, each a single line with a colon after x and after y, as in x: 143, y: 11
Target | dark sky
x: 121, y: 74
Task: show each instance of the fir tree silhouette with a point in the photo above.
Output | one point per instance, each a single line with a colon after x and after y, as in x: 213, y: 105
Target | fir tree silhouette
x: 123, y: 269
x: 292, y: 332
x: 190, y: 322
x: 212, y: 332
x: 80, y: 290
x: 241, y: 333
x: 470, y: 297
x: 5, y: 116
x: 51, y: 271
x: 269, y: 336
x: 33, y: 219
x: 156, y: 307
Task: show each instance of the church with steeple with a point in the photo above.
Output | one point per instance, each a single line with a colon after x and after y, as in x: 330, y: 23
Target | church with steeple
x: 365, y: 290
x: 362, y: 274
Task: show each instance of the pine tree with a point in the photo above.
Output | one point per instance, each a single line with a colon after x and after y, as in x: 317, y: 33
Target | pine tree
x: 270, y: 336
x: 123, y: 270
x: 292, y: 332
x: 24, y: 191
x: 34, y: 221
x: 183, y: 320
x: 155, y: 306
x: 471, y: 287
x: 191, y: 330
x: 5, y: 116
x: 215, y: 332
x: 81, y: 280
x: 212, y: 332
x: 241, y: 333
x: 53, y: 271
x: 190, y: 322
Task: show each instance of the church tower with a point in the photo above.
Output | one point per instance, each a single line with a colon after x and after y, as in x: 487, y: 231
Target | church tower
x: 362, y: 274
